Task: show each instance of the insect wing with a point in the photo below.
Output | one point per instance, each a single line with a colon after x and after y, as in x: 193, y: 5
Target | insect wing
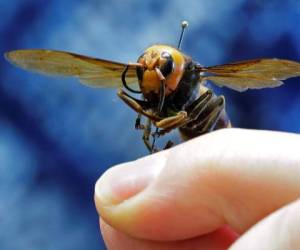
x: 90, y: 71
x: 253, y: 74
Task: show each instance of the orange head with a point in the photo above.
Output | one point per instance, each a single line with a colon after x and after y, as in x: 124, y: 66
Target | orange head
x: 168, y: 61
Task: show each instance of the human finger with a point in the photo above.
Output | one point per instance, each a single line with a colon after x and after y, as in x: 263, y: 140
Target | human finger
x: 280, y: 230
x: 230, y: 177
x: 220, y: 239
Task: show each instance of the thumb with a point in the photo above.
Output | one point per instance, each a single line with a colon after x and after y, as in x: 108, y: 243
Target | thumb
x: 233, y: 176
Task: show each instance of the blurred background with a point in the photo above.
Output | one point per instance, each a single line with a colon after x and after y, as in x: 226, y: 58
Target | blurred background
x: 57, y: 136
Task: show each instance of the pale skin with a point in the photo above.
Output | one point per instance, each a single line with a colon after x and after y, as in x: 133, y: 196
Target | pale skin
x: 229, y: 189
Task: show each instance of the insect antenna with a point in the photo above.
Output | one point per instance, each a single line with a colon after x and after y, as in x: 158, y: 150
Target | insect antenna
x: 184, y: 25
x: 123, y: 77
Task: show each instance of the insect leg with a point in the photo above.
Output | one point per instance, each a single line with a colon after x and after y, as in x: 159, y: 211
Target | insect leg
x: 198, y: 106
x: 138, y: 124
x: 146, y: 136
x: 138, y: 105
x: 214, y: 116
x: 172, y: 122
x: 154, y: 135
x: 207, y: 119
x: 168, y: 124
x: 169, y: 144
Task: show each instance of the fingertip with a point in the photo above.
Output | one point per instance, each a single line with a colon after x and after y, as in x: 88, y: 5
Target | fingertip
x: 168, y: 207
x: 122, y: 182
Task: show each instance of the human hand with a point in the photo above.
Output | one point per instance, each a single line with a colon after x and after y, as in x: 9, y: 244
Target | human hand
x: 232, y: 188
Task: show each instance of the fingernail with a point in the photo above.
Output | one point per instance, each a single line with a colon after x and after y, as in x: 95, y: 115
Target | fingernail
x: 127, y: 180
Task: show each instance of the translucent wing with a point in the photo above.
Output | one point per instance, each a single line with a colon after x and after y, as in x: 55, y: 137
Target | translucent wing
x: 90, y: 71
x: 253, y: 74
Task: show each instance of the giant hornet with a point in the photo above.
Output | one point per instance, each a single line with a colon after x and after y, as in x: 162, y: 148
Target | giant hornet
x: 171, y: 84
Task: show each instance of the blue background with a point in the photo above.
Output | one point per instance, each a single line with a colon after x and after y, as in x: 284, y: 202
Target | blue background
x: 57, y: 137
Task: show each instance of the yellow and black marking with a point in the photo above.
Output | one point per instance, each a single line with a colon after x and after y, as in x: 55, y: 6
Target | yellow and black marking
x: 171, y: 84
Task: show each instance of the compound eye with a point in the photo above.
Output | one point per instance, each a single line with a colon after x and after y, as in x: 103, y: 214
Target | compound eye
x: 167, y: 64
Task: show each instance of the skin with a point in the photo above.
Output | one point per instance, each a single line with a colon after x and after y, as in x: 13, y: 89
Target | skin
x: 233, y: 188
